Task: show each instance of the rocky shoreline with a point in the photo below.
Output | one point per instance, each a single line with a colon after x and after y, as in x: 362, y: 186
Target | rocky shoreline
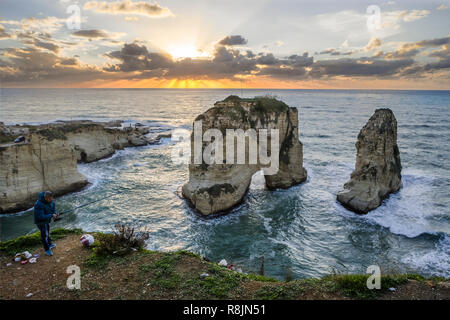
x: 45, y: 157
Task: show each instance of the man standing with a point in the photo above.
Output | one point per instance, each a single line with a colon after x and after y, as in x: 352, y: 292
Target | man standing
x: 44, y: 211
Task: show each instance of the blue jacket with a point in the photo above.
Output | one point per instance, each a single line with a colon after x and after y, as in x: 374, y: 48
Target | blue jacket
x: 43, y: 211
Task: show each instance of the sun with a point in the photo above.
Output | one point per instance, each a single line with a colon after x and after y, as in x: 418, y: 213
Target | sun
x: 185, y: 51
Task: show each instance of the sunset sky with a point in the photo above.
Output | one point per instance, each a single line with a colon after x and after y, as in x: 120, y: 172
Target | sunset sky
x: 225, y: 44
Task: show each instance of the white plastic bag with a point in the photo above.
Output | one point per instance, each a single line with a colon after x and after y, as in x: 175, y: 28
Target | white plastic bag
x: 87, y: 240
x: 223, y: 263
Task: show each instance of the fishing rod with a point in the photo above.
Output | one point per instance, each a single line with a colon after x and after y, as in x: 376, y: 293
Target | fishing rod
x: 83, y: 205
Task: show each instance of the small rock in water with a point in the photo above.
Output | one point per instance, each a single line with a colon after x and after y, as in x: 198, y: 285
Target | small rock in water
x: 29, y: 295
x: 8, y: 264
x: 392, y: 289
x: 204, y: 275
x: 223, y: 263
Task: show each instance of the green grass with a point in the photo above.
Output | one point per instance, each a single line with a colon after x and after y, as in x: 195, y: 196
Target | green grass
x: 177, y: 275
x: 163, y: 270
x: 269, y: 104
x: 355, y: 285
x: 220, y: 283
x: 30, y: 242
x: 96, y: 261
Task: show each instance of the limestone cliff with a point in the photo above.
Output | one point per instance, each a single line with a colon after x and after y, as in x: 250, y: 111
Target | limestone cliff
x: 28, y: 168
x: 217, y: 187
x: 378, y: 168
x: 47, y: 158
x: 93, y: 141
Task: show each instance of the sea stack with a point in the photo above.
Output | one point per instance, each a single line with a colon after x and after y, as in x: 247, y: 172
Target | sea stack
x: 378, y: 168
x: 217, y: 187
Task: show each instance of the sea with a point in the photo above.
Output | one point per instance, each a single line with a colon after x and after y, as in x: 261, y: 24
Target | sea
x: 301, y: 232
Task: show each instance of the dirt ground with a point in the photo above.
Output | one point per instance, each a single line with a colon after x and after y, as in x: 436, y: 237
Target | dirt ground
x: 135, y: 277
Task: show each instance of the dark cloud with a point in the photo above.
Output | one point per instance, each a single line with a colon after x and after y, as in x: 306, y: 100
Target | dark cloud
x: 434, y: 42
x: 46, y: 45
x: 233, y: 41
x: 335, y: 52
x: 39, y: 40
x: 410, y: 50
x: 267, y: 59
x: 135, y: 57
x: 41, y: 61
x: 25, y: 65
x: 364, y: 67
x: 225, y: 63
x: 90, y: 34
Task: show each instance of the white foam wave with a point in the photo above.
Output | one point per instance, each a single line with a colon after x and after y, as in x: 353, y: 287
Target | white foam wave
x: 406, y: 212
x: 435, y: 262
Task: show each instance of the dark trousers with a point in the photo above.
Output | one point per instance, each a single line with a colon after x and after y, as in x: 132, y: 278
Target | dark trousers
x: 45, y: 235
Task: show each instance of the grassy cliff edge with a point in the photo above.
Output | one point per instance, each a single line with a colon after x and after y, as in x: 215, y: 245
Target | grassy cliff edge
x: 144, y: 274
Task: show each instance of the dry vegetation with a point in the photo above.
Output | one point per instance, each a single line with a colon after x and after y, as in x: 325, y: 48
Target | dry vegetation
x: 143, y: 274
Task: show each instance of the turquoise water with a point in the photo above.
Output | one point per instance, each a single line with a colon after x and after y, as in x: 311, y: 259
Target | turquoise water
x: 302, y: 230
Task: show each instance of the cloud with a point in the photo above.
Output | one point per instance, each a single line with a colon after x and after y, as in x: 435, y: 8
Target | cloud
x: 3, y: 33
x: 408, y: 50
x: 47, y: 24
x: 25, y: 65
x: 373, y: 44
x: 41, y: 61
x: 364, y: 67
x: 442, y: 7
x: 409, y: 16
x: 153, y: 10
x: 41, y: 40
x: 434, y: 42
x: 46, y: 45
x: 135, y: 57
x: 336, y: 52
x: 90, y: 34
x: 233, y: 41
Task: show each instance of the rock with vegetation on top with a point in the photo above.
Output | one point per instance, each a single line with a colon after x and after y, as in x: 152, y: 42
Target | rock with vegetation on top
x: 47, y: 158
x: 217, y: 187
x: 378, y: 168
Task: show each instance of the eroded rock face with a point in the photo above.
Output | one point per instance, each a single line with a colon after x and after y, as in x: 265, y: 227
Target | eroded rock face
x: 217, y: 187
x: 29, y: 168
x: 47, y: 159
x: 378, y: 168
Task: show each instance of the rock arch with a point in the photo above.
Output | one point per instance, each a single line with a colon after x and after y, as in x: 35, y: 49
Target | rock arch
x: 218, y: 187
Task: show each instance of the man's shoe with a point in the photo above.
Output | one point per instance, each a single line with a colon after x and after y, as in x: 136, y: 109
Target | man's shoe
x: 52, y: 246
x: 49, y: 252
